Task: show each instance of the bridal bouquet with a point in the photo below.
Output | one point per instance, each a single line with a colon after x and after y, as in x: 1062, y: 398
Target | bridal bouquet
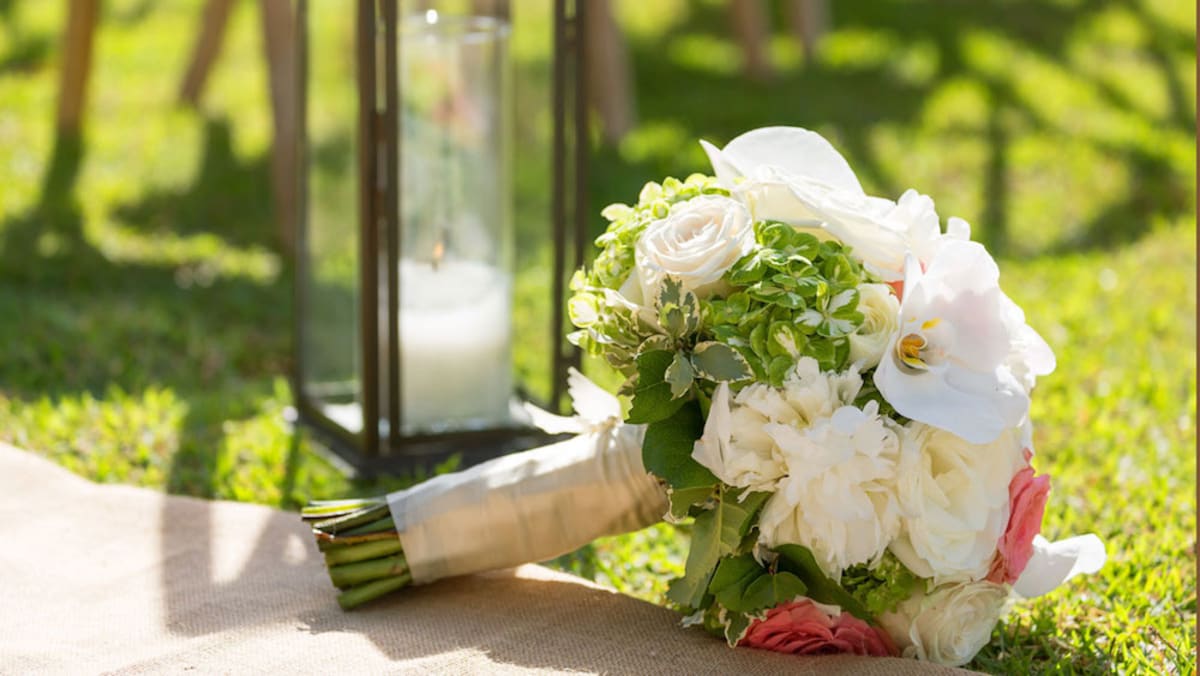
x: 831, y: 387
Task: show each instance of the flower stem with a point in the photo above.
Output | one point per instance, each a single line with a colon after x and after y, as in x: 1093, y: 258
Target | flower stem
x: 356, y: 596
x: 331, y: 508
x: 371, y: 527
x: 347, y: 522
x: 364, y: 551
x: 331, y: 542
x: 352, y: 574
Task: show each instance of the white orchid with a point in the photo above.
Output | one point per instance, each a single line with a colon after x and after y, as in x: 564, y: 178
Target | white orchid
x: 795, y: 176
x: 962, y: 357
x: 1053, y: 563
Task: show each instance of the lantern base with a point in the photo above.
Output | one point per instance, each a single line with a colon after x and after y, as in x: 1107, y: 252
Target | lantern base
x: 414, y: 455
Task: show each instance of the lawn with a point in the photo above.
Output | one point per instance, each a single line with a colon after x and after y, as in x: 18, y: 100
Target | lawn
x: 147, y: 308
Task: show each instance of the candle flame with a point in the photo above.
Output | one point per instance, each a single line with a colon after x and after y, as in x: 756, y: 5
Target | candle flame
x: 431, y: 16
x: 439, y: 250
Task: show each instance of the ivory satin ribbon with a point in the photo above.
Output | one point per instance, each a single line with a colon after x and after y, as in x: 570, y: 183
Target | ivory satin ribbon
x: 534, y: 505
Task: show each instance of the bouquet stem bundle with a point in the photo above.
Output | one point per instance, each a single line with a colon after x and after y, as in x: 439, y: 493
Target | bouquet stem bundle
x: 361, y: 546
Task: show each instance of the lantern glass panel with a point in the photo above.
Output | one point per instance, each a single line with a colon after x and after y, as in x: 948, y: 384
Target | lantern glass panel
x: 455, y: 256
x: 330, y: 344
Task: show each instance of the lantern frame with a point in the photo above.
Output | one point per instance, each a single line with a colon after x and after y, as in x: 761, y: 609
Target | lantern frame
x: 381, y: 447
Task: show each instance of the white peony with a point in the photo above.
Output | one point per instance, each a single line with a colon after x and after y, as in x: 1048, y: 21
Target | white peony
x: 736, y: 446
x: 954, y: 497
x: 814, y: 394
x: 950, y: 625
x: 696, y: 243
x: 839, y: 496
x: 881, y: 311
x: 794, y: 175
x: 963, y: 355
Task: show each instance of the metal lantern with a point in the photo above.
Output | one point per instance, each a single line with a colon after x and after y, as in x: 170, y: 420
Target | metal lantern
x: 405, y: 274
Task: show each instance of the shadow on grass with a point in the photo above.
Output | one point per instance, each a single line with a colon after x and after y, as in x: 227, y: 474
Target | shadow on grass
x: 227, y: 198
x: 88, y: 324
x: 1030, y: 645
x: 860, y: 100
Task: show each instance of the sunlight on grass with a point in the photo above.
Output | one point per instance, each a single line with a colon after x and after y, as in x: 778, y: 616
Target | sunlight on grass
x: 149, y: 308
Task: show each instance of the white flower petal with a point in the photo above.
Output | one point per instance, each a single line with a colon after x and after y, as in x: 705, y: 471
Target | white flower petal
x: 592, y: 402
x: 959, y: 334
x: 796, y: 151
x: 1053, y: 563
x: 709, y: 449
x: 695, y: 243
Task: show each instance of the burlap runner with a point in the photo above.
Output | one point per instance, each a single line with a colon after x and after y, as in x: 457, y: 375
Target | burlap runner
x: 114, y: 578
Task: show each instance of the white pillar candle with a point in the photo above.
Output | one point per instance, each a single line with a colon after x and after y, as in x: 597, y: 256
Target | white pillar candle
x: 455, y: 345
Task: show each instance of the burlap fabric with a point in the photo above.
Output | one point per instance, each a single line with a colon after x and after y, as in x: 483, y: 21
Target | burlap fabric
x: 111, y: 578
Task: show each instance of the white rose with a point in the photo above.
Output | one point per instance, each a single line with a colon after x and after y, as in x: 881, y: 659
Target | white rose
x: 839, y: 496
x: 949, y: 625
x: 951, y: 364
x: 881, y: 313
x: 736, y: 446
x: 954, y: 497
x: 696, y: 243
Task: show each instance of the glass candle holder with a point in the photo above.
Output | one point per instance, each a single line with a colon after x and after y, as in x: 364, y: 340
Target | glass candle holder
x: 456, y: 276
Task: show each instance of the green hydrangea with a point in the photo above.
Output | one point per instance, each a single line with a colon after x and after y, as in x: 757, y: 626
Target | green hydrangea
x: 796, y: 297
x: 882, y: 588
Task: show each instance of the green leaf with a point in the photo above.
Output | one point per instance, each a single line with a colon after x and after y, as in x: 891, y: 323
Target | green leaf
x: 656, y: 342
x: 683, y: 499
x: 736, y: 625
x: 747, y: 270
x: 778, y: 369
x: 716, y: 533
x: 667, y: 448
x: 732, y: 577
x: 652, y: 399
x: 719, y: 363
x: 670, y: 292
x: 680, y: 374
x: 678, y: 310
x: 785, y: 340
x: 769, y: 591
x: 798, y: 560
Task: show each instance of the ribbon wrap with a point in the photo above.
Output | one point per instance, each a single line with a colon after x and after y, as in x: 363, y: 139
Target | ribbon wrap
x: 534, y: 505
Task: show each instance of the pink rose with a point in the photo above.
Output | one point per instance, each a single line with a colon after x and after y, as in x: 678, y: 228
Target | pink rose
x: 806, y: 628
x: 1027, y: 502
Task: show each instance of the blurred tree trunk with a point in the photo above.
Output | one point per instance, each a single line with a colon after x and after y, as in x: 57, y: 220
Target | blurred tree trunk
x: 208, y: 45
x: 77, y: 64
x: 608, y: 72
x: 750, y: 25
x: 809, y: 21
x: 279, y: 41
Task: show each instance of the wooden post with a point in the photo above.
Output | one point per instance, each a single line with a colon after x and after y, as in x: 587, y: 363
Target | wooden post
x: 750, y: 25
x: 208, y: 45
x: 279, y: 31
x: 610, y: 91
x: 77, y: 63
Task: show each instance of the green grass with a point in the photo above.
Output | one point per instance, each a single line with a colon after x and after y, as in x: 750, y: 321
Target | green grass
x: 146, y: 309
